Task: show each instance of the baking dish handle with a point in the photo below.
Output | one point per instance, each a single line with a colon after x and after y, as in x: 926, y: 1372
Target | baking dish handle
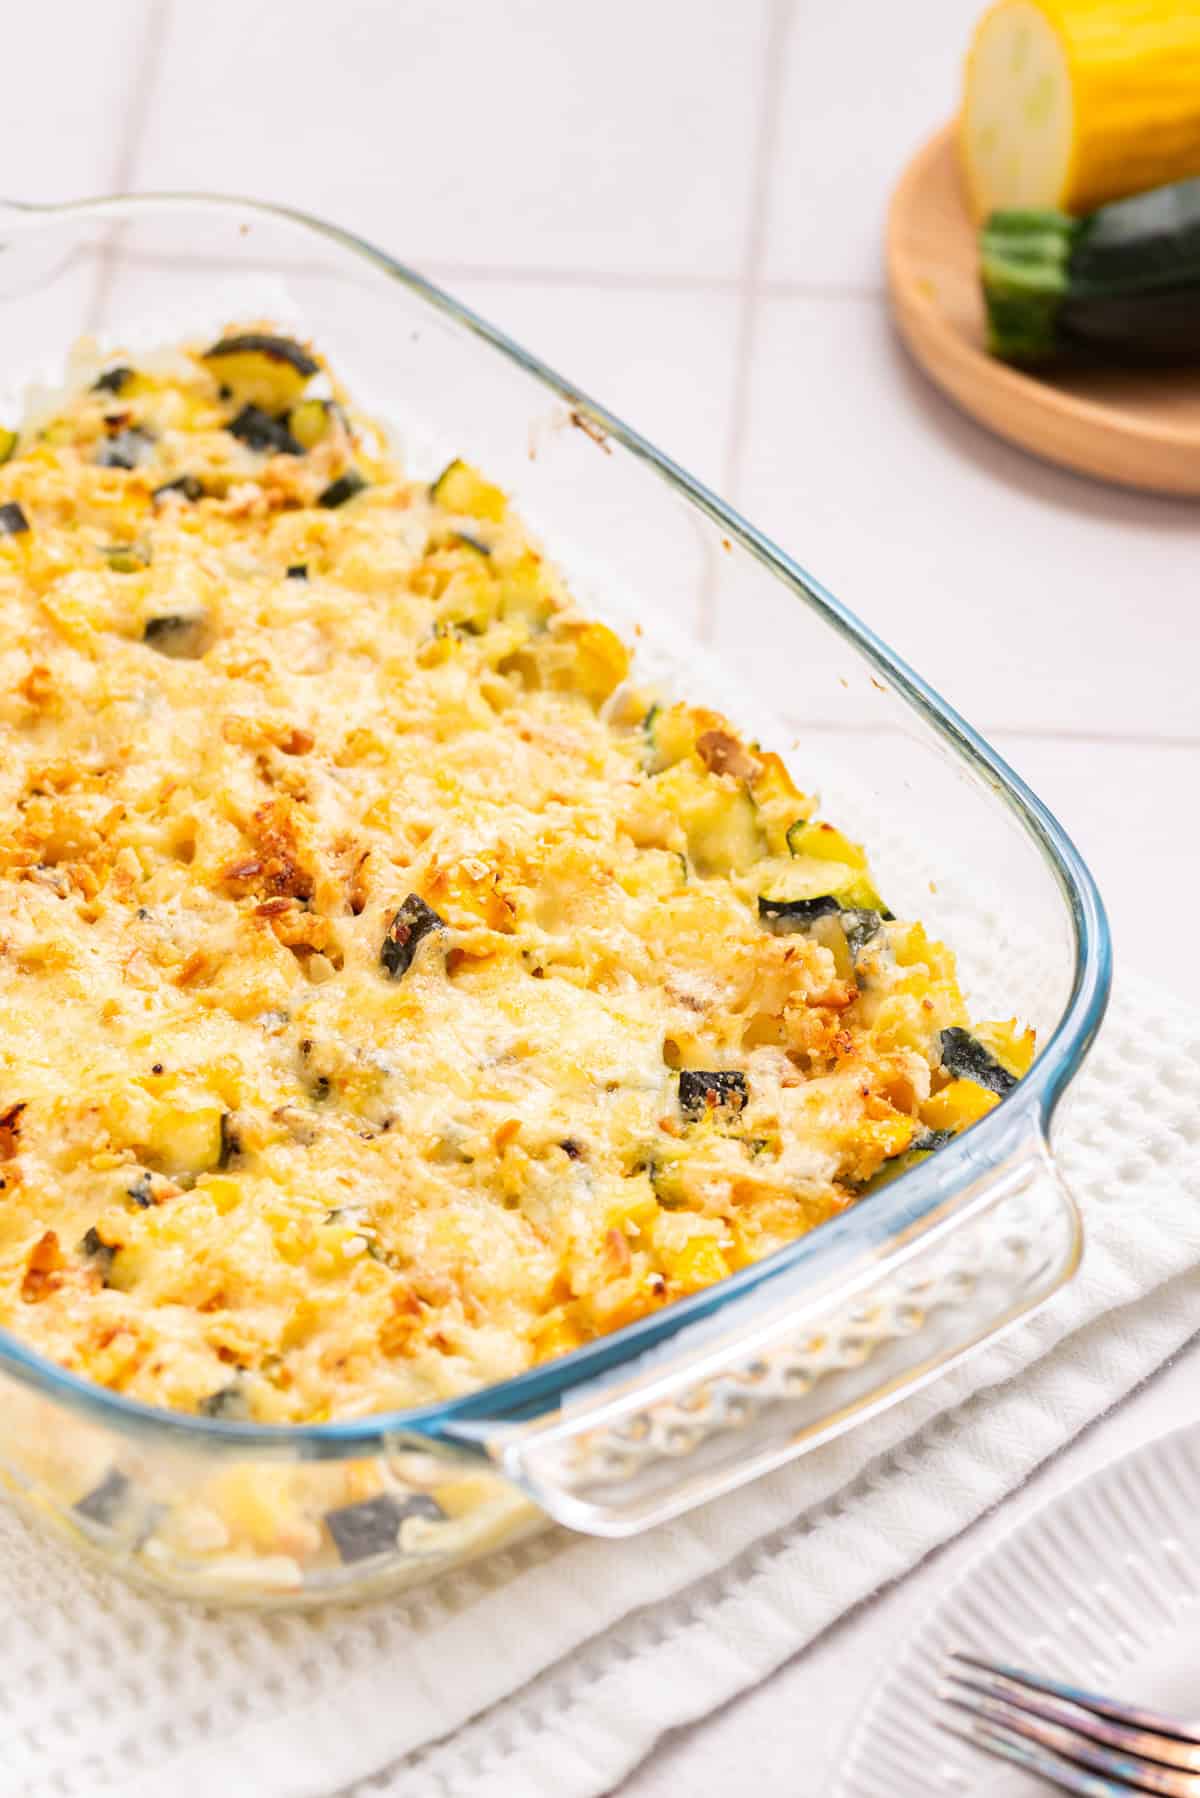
x: 768, y: 1379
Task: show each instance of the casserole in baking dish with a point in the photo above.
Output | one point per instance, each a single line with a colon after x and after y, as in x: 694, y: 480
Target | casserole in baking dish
x: 412, y: 1012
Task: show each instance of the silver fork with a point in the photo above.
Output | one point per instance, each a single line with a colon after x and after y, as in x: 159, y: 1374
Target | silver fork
x: 1076, y: 1740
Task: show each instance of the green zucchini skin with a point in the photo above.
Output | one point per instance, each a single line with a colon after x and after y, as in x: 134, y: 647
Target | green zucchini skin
x: 724, y: 1089
x: 344, y: 488
x: 275, y: 349
x: 404, y: 935
x: 965, y: 1057
x: 1122, y: 284
x: 259, y: 431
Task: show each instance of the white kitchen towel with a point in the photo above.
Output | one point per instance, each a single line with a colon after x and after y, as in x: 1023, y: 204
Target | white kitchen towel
x: 554, y: 1667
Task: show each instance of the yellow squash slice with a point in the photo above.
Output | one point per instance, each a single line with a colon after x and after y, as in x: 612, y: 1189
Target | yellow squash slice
x: 1072, y: 103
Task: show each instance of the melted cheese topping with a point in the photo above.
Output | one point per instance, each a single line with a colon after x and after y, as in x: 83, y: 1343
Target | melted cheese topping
x: 386, y: 1002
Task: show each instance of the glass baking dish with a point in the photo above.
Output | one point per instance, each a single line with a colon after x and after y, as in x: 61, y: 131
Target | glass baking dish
x: 690, y: 1402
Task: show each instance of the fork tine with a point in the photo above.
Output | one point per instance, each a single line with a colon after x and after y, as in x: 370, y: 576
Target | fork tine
x: 1171, y: 1751
x: 1125, y: 1772
x: 1048, y: 1766
x: 1136, y: 1718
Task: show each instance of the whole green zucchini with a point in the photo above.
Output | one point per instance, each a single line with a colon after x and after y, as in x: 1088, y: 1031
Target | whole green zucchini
x: 1121, y: 284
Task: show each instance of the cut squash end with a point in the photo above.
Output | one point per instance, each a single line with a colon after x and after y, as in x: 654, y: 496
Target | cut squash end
x: 1018, y: 116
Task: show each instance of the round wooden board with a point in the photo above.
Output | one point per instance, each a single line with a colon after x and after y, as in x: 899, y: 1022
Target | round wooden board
x: 1139, y: 427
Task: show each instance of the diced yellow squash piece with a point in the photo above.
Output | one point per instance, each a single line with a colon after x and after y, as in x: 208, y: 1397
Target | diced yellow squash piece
x: 471, y: 1491
x: 718, y: 817
x: 525, y: 591
x: 558, y: 1337
x: 958, y: 1105
x: 600, y: 662
x: 224, y: 1191
x: 462, y: 490
x: 470, y: 599
x: 697, y: 1264
x: 1014, y: 1045
x: 876, y: 1146
x: 656, y: 872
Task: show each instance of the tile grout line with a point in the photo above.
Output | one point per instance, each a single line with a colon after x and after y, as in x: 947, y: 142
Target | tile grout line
x: 778, y: 21
x: 550, y: 275
x: 149, y: 69
x: 638, y: 280
x: 136, y: 117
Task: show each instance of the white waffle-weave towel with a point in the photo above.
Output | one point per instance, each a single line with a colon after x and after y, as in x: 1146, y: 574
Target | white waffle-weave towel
x: 554, y: 1668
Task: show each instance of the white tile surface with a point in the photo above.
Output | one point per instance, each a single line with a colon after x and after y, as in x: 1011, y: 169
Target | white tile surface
x: 663, y: 361
x: 862, y: 84
x: 525, y: 135
x: 1128, y: 808
x: 69, y: 139
x: 1031, y: 599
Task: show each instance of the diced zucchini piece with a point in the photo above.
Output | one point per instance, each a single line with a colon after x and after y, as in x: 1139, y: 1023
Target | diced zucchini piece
x: 700, y: 1092
x: 819, y: 918
x: 860, y: 895
x: 226, y: 1401
x: 862, y: 926
x: 113, y: 380
x: 372, y: 1526
x: 925, y: 1145
x: 8, y: 444
x: 309, y: 422
x: 462, y: 489
x: 13, y: 522
x: 262, y: 370
x: 344, y: 488
x: 127, y: 558
x: 141, y: 1190
x: 718, y: 818
x: 823, y: 842
x: 185, y: 485
x: 404, y: 935
x: 97, y: 1252
x: 259, y: 431
x: 671, y: 731
x: 184, y: 637
x: 784, y: 917
x: 104, y: 1503
x: 185, y: 1137
x: 964, y: 1056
